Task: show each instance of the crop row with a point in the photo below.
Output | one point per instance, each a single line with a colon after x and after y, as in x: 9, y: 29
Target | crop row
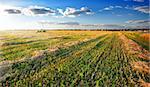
x: 29, y: 67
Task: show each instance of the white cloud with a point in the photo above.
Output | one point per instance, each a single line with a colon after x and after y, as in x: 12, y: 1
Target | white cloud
x: 12, y: 11
x: 118, y: 7
x: 135, y: 0
x: 29, y: 11
x: 138, y: 0
x: 138, y: 24
x: 59, y: 23
x: 6, y: 10
x: 131, y: 24
x: 138, y: 21
x: 38, y: 11
x: 109, y: 8
x: 77, y: 25
x: 73, y: 12
x: 45, y: 11
x: 143, y: 9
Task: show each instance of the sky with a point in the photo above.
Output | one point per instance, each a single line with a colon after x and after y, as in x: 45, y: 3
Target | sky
x: 74, y: 14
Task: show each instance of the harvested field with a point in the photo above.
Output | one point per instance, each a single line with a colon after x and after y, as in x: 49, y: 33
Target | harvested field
x: 74, y: 58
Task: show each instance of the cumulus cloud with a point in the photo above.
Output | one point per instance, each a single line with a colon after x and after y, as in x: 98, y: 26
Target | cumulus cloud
x: 144, y: 9
x: 6, y: 10
x: 73, y: 12
x: 38, y: 10
x: 13, y: 11
x: 45, y: 11
x: 28, y: 11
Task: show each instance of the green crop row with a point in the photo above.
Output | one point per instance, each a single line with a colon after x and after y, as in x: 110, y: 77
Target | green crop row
x: 30, y: 67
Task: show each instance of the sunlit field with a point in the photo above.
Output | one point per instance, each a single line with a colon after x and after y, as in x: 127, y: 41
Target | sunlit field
x: 74, y: 59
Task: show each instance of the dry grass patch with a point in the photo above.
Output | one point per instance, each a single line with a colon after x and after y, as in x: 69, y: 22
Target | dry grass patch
x: 142, y: 67
x: 146, y: 37
x: 39, y: 54
x: 144, y: 84
x: 133, y: 48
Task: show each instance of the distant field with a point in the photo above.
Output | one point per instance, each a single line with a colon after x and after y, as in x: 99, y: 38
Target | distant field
x: 74, y: 58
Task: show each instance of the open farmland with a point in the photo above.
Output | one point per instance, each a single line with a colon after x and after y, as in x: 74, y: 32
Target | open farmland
x: 74, y: 58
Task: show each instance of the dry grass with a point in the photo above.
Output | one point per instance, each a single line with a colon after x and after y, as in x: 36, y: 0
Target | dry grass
x: 38, y: 54
x: 142, y: 67
x: 133, y: 48
x: 144, y: 84
x: 146, y: 37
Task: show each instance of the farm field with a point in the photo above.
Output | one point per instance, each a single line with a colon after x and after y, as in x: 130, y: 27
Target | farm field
x: 74, y: 58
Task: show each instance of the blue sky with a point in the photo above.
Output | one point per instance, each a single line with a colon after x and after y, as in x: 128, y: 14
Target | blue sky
x: 74, y: 14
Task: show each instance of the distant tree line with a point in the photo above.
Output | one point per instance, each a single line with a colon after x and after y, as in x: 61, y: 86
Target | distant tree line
x: 102, y: 29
